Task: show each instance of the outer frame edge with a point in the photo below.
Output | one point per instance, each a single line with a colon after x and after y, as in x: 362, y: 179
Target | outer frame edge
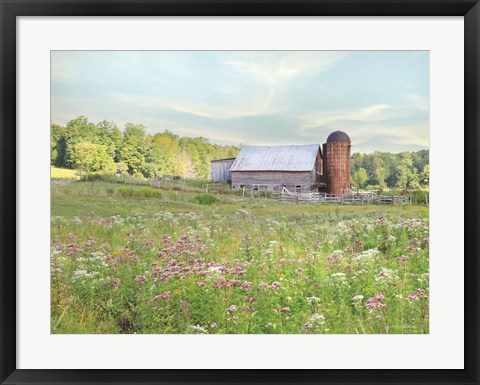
x: 9, y: 11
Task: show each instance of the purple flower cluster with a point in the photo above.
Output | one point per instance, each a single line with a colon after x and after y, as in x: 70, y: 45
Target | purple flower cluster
x: 418, y: 295
x: 375, y: 303
x: 116, y: 283
x: 184, y: 247
x: 166, y: 296
x: 140, y: 279
x: 123, y: 255
x: 273, y: 286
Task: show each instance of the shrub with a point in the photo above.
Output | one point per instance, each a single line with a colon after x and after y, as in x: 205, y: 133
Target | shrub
x: 145, y: 192
x: 148, y: 192
x: 205, y: 199
x: 418, y: 196
x: 126, y: 191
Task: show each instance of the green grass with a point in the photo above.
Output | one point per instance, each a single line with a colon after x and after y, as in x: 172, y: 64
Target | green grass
x: 62, y: 173
x: 301, y: 266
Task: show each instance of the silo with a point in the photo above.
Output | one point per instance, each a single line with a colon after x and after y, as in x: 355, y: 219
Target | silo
x: 337, y: 163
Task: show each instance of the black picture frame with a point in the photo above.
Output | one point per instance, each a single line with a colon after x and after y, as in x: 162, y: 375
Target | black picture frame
x: 9, y: 10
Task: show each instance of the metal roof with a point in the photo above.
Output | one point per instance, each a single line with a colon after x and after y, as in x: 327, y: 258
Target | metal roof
x: 338, y: 136
x: 276, y: 158
x: 222, y: 160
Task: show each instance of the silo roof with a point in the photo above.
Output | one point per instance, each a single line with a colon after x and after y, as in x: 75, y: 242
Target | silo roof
x: 276, y: 158
x: 338, y: 136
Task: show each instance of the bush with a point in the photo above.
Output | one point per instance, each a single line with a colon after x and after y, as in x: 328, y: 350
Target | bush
x: 418, y: 196
x: 123, y: 179
x: 205, y: 199
x: 148, y: 192
x: 145, y: 192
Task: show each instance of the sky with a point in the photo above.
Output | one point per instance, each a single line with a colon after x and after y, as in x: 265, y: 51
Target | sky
x: 379, y: 98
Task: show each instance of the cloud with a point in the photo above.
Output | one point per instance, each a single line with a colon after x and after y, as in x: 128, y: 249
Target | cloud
x: 420, y: 102
x: 338, y: 118
x: 275, y: 72
x: 254, y: 97
x: 390, y: 137
x: 62, y: 68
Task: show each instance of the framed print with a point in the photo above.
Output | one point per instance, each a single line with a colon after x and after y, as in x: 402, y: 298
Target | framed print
x: 232, y: 187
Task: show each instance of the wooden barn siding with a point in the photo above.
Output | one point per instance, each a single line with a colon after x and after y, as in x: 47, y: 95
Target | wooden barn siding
x: 273, y: 179
x: 221, y: 171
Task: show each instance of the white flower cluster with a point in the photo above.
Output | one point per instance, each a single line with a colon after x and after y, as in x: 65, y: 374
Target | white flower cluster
x: 197, y: 329
x: 88, y: 268
x: 317, y: 319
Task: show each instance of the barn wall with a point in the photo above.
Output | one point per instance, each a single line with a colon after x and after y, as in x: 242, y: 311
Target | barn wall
x: 273, y: 179
x: 221, y: 171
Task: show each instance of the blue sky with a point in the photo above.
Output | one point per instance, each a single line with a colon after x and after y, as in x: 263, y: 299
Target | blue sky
x: 379, y: 98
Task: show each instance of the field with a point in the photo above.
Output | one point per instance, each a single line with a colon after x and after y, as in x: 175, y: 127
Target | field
x: 62, y: 173
x: 134, y: 259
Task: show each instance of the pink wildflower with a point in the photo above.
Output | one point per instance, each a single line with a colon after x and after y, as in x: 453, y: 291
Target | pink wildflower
x: 275, y: 285
x: 307, y: 327
x: 375, y: 303
x: 116, y: 283
x: 263, y: 285
x: 167, y: 295
x: 231, y: 309
x: 140, y: 279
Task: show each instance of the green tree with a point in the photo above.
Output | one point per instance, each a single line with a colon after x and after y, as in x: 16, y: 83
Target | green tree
x: 134, y: 130
x: 360, y: 178
x: 425, y: 176
x: 90, y: 157
x: 131, y: 153
x: 380, y: 176
x: 57, y: 144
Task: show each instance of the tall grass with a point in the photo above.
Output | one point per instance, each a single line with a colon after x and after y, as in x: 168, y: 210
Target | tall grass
x: 121, y: 264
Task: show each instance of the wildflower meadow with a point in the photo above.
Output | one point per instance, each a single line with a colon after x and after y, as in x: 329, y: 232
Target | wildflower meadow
x: 171, y: 262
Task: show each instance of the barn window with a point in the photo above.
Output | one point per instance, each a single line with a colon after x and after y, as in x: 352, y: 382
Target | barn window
x: 298, y: 188
x: 255, y: 187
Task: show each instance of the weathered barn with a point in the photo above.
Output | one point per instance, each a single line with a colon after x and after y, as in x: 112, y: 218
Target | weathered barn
x: 274, y: 167
x: 297, y: 168
x: 221, y: 170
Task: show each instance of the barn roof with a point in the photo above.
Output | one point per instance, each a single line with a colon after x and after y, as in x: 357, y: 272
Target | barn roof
x: 222, y: 160
x: 276, y: 158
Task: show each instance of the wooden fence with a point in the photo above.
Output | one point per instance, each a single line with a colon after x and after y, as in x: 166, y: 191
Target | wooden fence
x: 350, y: 199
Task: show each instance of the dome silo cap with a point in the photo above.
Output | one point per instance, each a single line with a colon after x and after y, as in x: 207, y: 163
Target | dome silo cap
x: 338, y: 136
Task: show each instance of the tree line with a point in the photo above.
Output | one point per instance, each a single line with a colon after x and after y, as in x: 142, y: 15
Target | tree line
x: 104, y: 148
x: 406, y: 170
